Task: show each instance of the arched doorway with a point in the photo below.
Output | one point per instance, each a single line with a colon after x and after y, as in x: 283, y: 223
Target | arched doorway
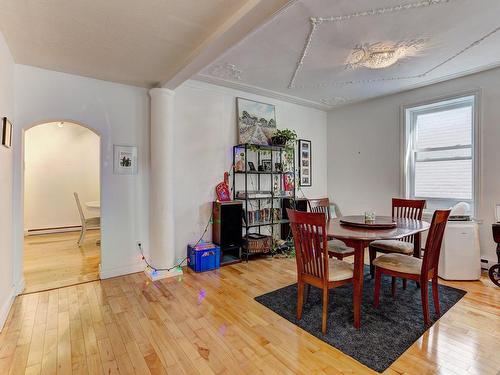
x: 61, y: 205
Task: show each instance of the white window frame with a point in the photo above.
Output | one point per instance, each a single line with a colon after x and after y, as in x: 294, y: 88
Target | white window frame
x: 408, y: 157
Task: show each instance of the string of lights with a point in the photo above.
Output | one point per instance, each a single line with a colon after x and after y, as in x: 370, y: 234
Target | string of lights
x: 179, y: 265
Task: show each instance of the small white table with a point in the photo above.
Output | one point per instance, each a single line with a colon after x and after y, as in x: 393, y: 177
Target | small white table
x: 93, y: 204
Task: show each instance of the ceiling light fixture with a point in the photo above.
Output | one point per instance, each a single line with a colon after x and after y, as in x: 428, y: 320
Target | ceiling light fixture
x: 382, y: 54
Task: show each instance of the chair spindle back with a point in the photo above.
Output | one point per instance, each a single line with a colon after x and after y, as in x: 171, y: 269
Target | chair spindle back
x: 434, y: 240
x: 408, y: 209
x: 321, y: 205
x: 309, y: 236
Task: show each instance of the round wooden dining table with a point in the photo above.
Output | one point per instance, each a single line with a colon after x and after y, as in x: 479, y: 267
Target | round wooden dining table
x: 360, y: 237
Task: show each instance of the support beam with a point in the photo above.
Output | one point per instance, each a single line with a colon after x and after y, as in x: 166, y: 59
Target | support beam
x: 247, y: 19
x: 161, y: 211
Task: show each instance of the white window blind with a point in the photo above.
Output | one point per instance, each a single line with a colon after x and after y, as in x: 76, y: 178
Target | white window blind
x: 441, y: 151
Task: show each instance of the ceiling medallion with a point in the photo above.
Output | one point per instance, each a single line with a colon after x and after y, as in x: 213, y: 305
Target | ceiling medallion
x: 315, y: 23
x: 336, y: 100
x: 382, y: 54
x: 226, y: 71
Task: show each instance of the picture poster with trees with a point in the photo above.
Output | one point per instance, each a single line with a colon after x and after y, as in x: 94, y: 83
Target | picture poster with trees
x: 256, y: 122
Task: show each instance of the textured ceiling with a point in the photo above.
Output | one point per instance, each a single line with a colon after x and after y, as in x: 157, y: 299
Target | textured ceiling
x: 303, y: 53
x: 138, y: 42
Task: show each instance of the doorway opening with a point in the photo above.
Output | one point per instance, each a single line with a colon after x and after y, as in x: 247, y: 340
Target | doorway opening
x: 61, y: 206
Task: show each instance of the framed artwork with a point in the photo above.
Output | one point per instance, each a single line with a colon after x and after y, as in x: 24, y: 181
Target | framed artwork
x: 6, y: 133
x: 267, y: 165
x: 125, y: 160
x: 305, y: 163
x: 256, y: 122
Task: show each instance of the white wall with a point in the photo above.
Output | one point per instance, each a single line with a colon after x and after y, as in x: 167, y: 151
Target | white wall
x: 7, y: 291
x: 59, y: 160
x: 364, y: 149
x: 206, y: 130
x: 120, y: 115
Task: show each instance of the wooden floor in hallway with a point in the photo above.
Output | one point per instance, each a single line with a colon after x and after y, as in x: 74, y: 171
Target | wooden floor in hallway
x: 56, y: 260
x: 209, y: 323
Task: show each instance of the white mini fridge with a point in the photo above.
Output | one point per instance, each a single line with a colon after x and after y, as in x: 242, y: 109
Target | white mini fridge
x: 460, y: 257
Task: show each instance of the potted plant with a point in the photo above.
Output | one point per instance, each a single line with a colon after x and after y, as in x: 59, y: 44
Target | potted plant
x: 283, y: 136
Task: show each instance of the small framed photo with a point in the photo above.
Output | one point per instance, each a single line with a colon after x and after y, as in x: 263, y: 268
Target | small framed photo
x: 267, y: 165
x: 6, y: 133
x: 305, y: 163
x: 125, y: 160
x: 278, y: 167
x: 251, y: 166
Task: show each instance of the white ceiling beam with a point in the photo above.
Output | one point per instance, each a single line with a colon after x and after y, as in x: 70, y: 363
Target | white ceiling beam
x: 249, y: 17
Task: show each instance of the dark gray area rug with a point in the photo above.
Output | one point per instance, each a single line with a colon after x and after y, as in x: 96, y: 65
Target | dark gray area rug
x: 385, y: 333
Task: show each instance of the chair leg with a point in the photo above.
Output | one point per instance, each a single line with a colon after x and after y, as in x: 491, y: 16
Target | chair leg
x: 300, y: 298
x: 393, y: 286
x: 82, y: 235
x: 373, y: 255
x: 378, y: 281
x: 435, y: 295
x: 306, y: 292
x: 325, y: 310
x: 424, y: 291
x: 405, y: 284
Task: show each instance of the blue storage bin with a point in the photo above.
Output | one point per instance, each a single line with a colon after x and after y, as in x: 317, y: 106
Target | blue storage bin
x: 204, y: 257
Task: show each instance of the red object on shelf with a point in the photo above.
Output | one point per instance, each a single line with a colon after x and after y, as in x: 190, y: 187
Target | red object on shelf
x: 222, y: 189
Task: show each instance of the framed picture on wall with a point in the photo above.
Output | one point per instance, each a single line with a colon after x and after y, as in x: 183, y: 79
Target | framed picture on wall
x: 6, y: 133
x: 125, y: 160
x: 256, y: 121
x: 305, y: 163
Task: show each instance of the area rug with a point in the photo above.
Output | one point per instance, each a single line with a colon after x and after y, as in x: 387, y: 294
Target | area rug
x: 385, y: 333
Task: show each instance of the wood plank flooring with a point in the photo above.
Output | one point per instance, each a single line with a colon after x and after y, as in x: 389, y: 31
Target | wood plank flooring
x: 209, y: 324
x: 56, y: 260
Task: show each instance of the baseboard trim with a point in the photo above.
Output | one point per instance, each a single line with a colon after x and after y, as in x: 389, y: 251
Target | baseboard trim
x: 123, y: 270
x: 34, y: 232
x: 19, y: 287
x: 5, y: 309
x: 158, y: 275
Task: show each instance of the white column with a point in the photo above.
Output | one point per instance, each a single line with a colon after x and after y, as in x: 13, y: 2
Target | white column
x: 161, y: 211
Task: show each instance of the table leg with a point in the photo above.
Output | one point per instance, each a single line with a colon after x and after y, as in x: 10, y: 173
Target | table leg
x: 417, y: 245
x: 359, y: 264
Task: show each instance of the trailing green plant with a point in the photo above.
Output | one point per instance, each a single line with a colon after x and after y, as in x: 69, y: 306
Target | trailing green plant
x: 289, y: 134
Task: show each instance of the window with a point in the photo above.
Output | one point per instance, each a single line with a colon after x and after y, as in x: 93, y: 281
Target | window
x: 441, y: 152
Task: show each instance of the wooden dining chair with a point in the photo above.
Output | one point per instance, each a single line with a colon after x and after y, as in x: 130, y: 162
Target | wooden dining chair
x: 87, y: 223
x: 336, y: 248
x: 320, y: 205
x: 314, y: 266
x: 401, y: 208
x: 407, y: 267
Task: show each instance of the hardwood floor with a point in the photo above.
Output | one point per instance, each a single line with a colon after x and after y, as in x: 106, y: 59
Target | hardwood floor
x: 209, y: 324
x: 56, y: 260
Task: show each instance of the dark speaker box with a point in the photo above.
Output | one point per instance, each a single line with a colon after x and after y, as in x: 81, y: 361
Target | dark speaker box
x: 300, y: 205
x: 227, y: 226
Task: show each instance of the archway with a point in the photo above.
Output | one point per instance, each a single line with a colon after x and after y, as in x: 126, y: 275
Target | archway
x: 61, y: 187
